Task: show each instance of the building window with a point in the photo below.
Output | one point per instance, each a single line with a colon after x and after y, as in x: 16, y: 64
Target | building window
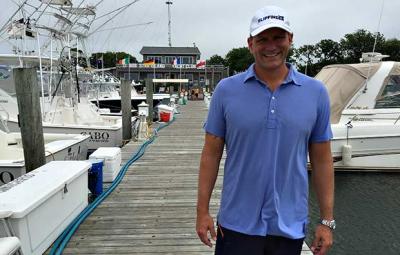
x: 169, y: 60
x: 188, y: 76
x: 157, y: 59
x: 187, y: 60
x: 390, y: 97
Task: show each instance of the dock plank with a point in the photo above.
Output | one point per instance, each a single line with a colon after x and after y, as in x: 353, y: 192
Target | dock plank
x: 153, y: 210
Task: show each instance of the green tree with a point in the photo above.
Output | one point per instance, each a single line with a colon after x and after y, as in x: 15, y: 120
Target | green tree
x: 361, y: 41
x: 239, y: 59
x: 216, y: 60
x: 328, y: 52
x: 391, y: 47
x: 110, y: 58
x: 306, y: 59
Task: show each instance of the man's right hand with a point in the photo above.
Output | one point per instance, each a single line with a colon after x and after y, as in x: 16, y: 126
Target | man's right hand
x: 205, y: 225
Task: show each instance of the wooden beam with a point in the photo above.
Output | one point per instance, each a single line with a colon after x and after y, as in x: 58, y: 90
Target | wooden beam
x: 30, y: 118
x: 126, y: 108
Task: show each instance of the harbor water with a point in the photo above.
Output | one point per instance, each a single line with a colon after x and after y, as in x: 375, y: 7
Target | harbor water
x: 367, y: 209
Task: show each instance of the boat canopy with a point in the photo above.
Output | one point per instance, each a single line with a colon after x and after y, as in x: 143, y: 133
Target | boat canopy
x: 343, y: 82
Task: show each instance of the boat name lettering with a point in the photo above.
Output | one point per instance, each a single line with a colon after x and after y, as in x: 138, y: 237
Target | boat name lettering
x: 98, y: 136
x: 3, y: 101
x: 361, y: 119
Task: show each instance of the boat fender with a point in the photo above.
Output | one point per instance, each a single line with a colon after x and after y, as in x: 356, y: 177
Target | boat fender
x: 346, y: 154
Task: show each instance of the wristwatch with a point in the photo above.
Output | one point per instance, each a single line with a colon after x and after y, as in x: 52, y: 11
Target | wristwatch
x: 329, y: 223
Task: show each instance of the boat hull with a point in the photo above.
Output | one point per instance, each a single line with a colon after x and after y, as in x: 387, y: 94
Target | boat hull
x: 100, y: 136
x: 56, y: 150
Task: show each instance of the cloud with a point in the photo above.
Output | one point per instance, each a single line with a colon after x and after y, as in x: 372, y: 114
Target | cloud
x: 218, y: 26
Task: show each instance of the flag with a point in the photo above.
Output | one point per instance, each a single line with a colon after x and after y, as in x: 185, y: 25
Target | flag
x: 149, y: 62
x: 201, y: 64
x: 177, y: 61
x: 124, y: 61
x: 100, y: 61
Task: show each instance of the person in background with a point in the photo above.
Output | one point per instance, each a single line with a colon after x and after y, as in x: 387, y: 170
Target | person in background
x: 269, y: 118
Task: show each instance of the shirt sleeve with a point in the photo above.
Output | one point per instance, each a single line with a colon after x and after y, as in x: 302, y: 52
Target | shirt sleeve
x: 215, y: 122
x: 322, y: 131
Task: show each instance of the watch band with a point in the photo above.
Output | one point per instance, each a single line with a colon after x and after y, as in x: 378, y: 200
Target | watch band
x: 329, y: 223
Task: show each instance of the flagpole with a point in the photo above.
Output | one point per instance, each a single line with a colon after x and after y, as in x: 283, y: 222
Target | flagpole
x: 129, y: 69
x: 102, y: 64
x: 205, y: 75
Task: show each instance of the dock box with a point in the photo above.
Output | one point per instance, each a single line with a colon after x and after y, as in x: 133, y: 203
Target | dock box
x: 44, y: 202
x: 112, y: 161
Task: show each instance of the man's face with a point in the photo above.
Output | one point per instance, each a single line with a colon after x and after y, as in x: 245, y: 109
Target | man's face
x: 270, y: 48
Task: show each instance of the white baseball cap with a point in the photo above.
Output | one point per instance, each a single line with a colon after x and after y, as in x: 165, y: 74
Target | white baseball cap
x: 268, y: 17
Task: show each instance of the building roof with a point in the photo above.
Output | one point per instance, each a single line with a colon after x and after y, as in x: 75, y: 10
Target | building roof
x: 150, y: 50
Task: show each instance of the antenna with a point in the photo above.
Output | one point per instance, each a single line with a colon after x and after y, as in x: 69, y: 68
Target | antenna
x: 169, y: 3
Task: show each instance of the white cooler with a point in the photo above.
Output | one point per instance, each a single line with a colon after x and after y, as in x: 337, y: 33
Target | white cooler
x: 167, y: 109
x: 43, y: 202
x: 112, y: 161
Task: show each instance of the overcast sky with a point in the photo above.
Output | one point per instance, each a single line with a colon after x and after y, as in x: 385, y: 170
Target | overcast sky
x: 217, y: 26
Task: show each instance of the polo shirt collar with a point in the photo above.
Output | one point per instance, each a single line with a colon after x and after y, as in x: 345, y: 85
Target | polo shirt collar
x: 292, y: 77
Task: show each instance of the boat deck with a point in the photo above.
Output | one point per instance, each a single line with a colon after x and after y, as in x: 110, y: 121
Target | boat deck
x: 153, y: 210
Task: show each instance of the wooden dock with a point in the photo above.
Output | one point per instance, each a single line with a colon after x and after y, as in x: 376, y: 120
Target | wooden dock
x: 153, y: 210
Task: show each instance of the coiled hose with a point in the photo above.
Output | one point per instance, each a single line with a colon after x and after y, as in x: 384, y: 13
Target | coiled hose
x: 62, y: 241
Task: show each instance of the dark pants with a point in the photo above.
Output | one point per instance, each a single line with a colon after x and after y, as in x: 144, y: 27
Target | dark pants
x: 234, y: 243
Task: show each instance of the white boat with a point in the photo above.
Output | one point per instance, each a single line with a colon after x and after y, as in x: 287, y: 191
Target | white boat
x: 365, y: 92
x: 106, y: 96
x: 365, y: 114
x: 81, y: 118
x: 373, y: 146
x: 57, y: 147
x: 61, y: 32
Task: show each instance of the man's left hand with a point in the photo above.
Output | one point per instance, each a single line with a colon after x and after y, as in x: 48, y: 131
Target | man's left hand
x: 323, y: 240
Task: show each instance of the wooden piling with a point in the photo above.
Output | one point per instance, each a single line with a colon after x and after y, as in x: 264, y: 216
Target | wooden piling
x: 126, y: 108
x: 29, y: 117
x: 149, y: 99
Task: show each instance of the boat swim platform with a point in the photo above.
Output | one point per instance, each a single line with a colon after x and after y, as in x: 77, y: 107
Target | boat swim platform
x: 153, y: 209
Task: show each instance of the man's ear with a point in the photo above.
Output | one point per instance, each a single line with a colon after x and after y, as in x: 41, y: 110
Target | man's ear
x: 290, y: 38
x: 250, y: 44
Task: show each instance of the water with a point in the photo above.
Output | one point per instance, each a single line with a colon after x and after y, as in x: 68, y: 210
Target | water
x: 367, y: 212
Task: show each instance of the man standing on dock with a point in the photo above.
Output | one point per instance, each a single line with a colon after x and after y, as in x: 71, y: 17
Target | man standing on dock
x: 269, y: 118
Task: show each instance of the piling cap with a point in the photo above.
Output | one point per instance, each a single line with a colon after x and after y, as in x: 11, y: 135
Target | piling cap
x: 143, y: 104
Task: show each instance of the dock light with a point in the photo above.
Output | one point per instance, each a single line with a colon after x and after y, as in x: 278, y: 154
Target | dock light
x: 143, y: 109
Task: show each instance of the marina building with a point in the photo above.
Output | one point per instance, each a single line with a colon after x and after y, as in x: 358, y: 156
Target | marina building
x: 174, y: 63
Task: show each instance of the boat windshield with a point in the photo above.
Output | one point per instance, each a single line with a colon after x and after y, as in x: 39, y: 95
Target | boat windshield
x: 390, y: 97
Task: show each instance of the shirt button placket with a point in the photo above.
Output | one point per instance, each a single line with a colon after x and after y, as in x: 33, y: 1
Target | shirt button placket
x: 272, y: 112
x: 273, y: 107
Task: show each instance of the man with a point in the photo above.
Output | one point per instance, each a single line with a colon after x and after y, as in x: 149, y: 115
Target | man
x: 269, y: 118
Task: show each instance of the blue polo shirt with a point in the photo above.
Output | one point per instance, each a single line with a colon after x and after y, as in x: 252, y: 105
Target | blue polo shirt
x: 265, y: 186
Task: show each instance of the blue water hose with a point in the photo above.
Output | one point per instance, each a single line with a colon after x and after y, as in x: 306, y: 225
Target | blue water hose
x: 62, y: 241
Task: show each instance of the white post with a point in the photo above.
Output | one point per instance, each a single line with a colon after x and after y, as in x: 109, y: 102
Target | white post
x: 77, y: 51
x: 41, y: 73
x: 51, y: 65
